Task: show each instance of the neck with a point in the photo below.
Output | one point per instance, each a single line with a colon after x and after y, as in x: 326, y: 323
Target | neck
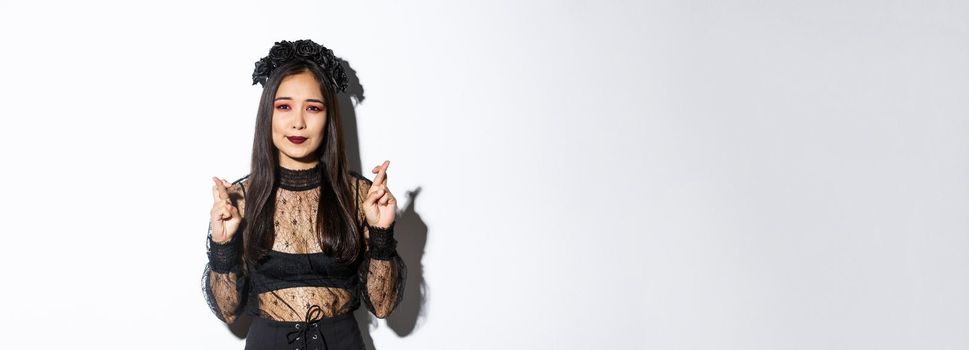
x: 295, y: 179
x: 293, y: 164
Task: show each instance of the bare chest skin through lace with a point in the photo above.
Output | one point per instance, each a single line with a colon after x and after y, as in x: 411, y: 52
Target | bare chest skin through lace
x: 298, y: 278
x: 295, y: 226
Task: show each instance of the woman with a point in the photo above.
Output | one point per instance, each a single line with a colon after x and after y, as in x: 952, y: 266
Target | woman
x: 300, y: 240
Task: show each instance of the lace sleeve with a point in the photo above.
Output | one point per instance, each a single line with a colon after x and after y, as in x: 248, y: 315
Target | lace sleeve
x: 382, y: 272
x: 224, y: 285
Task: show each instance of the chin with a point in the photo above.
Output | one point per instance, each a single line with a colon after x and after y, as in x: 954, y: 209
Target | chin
x: 300, y: 154
x: 297, y: 156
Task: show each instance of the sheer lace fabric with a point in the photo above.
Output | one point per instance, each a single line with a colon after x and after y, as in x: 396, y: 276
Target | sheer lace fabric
x: 298, y: 276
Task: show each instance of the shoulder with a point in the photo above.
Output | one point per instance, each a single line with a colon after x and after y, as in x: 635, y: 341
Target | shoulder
x: 239, y: 187
x: 360, y: 183
x: 357, y: 178
x: 241, y: 180
x: 237, y: 193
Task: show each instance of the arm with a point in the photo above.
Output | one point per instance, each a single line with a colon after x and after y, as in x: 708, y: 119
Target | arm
x: 223, y: 283
x: 382, y: 272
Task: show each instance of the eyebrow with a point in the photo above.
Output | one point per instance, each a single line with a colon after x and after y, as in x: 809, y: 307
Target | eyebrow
x: 289, y: 98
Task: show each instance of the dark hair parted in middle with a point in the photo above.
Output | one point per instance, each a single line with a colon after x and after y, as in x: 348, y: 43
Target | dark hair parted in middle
x: 340, y: 232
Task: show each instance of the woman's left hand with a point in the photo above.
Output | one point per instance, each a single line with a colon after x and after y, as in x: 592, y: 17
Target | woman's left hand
x: 380, y: 205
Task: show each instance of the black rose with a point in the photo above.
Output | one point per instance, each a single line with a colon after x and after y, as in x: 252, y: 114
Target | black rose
x: 339, y: 77
x: 281, y: 52
x: 262, y: 70
x: 284, y: 51
x: 306, y: 48
x: 323, y: 59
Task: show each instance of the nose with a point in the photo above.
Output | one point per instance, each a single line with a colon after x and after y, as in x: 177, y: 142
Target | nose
x: 299, y: 122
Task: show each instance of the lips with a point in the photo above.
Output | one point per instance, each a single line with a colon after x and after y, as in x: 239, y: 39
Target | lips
x: 296, y: 139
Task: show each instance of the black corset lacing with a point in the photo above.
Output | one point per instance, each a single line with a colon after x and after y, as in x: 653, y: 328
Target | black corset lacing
x: 313, y: 317
x: 311, y: 326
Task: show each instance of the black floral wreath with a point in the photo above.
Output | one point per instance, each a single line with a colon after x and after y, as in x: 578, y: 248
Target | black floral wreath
x: 284, y: 51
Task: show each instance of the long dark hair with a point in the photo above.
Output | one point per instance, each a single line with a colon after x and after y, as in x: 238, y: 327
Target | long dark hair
x: 339, y: 233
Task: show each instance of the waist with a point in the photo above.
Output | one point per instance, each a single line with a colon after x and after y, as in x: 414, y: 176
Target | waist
x: 303, y: 303
x: 324, y: 322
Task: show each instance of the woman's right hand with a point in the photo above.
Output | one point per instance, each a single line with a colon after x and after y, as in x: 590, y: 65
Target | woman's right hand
x: 225, y: 215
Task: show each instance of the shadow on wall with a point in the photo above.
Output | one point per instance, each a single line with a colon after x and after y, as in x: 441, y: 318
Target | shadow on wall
x: 410, y: 231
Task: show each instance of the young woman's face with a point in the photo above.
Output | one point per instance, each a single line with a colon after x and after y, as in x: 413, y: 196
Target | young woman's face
x: 298, y: 111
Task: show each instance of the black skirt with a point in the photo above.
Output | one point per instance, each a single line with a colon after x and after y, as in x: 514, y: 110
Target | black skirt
x: 331, y: 333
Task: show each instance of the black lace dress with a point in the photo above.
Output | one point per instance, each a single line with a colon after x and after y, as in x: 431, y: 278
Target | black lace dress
x: 299, y: 297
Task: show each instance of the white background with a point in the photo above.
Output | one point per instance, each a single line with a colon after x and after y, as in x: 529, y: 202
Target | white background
x: 593, y: 174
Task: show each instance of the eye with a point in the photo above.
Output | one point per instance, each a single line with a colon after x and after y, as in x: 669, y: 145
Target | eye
x: 282, y: 106
x: 315, y: 108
